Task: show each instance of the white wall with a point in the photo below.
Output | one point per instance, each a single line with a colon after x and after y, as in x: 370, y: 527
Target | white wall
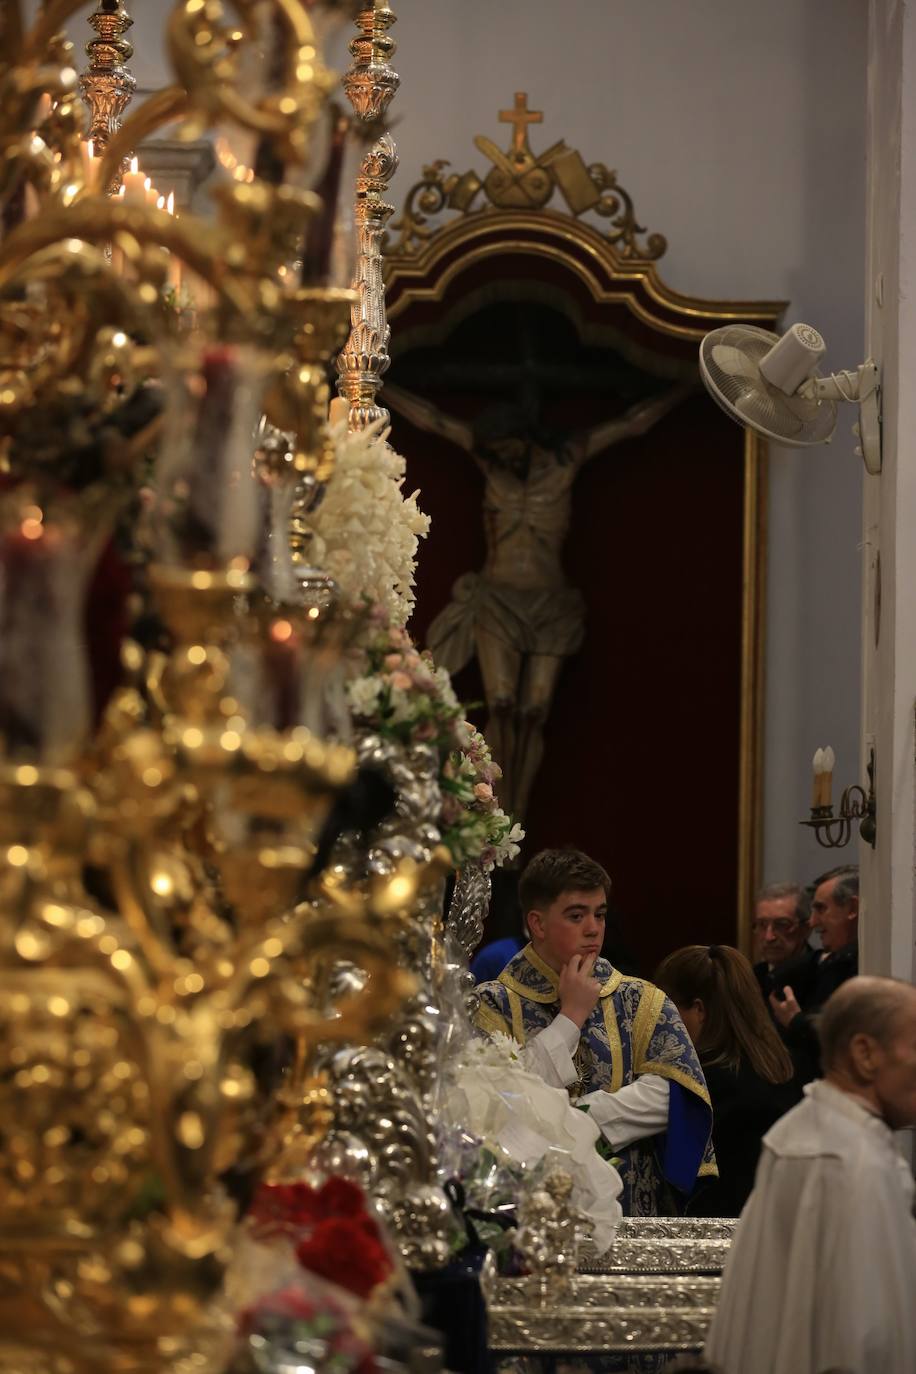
x: 738, y: 127
x: 889, y: 925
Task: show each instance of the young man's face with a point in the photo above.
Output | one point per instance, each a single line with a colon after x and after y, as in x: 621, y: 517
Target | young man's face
x: 573, y: 924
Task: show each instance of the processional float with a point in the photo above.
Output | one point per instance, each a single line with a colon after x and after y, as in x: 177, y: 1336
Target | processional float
x: 223, y: 960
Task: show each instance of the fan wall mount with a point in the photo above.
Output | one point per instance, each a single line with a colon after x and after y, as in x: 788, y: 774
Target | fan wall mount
x: 772, y: 384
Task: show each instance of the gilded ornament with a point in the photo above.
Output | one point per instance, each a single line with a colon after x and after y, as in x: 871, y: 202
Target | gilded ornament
x: 521, y: 179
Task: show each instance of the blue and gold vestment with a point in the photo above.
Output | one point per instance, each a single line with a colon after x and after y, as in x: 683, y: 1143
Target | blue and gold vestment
x: 634, y: 1029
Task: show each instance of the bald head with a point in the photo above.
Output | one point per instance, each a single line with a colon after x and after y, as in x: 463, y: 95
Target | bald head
x: 868, y: 1044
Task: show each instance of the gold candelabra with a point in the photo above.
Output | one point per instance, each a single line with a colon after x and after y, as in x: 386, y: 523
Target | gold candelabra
x: 370, y: 85
x: 108, y: 85
x: 161, y: 924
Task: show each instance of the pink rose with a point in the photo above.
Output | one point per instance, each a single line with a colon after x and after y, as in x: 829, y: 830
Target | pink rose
x: 483, y: 791
x: 402, y: 681
x: 392, y: 661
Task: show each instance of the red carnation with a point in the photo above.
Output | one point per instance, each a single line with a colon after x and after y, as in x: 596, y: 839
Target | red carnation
x: 346, y: 1251
x: 338, y: 1197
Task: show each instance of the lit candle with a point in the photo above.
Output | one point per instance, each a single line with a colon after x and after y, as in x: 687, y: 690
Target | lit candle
x: 134, y: 184
x: 829, y: 762
x: 152, y: 195
x: 816, y: 788
x: 92, y: 165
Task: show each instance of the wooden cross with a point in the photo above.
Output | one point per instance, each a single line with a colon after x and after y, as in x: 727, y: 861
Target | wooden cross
x: 520, y: 117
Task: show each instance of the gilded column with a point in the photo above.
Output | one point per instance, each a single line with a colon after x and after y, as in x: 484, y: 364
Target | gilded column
x: 370, y: 84
x: 108, y: 84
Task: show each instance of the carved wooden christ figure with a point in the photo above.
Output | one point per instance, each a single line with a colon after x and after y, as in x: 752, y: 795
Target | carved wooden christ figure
x: 519, y: 614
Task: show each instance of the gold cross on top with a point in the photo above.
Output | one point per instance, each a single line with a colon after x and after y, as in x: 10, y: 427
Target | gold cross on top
x: 520, y: 117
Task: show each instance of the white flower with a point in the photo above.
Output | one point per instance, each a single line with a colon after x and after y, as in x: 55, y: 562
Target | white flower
x: 366, y: 531
x: 363, y: 694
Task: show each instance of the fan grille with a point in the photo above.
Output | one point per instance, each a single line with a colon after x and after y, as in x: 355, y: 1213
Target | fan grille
x: 730, y: 364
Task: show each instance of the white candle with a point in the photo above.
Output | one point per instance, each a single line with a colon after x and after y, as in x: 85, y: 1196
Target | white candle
x: 339, y: 410
x: 829, y: 763
x: 816, y: 787
x: 134, y: 184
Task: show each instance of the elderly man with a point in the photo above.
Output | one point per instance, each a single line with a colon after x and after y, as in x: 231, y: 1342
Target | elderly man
x: 781, y: 928
x: 835, y: 916
x: 823, y: 1265
x: 617, y: 1044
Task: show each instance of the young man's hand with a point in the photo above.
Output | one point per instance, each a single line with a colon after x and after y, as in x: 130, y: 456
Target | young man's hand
x: 579, y: 989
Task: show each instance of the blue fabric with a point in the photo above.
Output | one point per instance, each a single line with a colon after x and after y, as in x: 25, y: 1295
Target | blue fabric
x: 686, y: 1138
x: 491, y: 959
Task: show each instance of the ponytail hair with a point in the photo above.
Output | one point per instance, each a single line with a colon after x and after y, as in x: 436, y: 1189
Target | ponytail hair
x: 737, y: 1028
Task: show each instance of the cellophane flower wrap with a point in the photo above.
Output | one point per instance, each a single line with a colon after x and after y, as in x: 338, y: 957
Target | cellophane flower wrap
x: 518, y: 1119
x: 400, y: 693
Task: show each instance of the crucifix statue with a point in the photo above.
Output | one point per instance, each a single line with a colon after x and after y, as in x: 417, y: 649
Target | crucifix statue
x: 519, y: 615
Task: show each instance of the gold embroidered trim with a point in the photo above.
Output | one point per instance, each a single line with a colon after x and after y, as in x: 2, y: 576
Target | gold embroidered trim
x: 553, y: 978
x: 612, y: 1030
x: 490, y: 1021
x: 644, y: 1023
x: 518, y: 1021
x: 677, y: 1076
x: 708, y: 1169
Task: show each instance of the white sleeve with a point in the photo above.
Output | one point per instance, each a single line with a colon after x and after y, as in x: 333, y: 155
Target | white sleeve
x: 549, y: 1054
x: 634, y: 1111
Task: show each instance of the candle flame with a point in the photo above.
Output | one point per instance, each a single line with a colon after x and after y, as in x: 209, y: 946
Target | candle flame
x: 170, y: 203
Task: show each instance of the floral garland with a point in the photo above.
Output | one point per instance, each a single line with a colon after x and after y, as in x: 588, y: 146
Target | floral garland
x: 366, y: 532
x: 401, y: 695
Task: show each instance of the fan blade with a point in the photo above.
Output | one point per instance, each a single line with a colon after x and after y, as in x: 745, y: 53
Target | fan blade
x: 734, y: 362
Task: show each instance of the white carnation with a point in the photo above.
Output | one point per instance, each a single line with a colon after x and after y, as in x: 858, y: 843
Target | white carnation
x: 366, y: 531
x: 363, y: 694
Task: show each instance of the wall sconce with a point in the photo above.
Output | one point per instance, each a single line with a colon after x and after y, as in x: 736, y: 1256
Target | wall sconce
x: 832, y: 829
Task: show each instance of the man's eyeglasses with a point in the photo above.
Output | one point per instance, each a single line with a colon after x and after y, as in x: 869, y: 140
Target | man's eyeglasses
x: 781, y: 926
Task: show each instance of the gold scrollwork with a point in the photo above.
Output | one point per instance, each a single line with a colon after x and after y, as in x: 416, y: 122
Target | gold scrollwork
x: 523, y: 180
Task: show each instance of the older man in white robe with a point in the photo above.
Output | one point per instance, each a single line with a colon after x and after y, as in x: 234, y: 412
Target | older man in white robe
x: 822, y: 1272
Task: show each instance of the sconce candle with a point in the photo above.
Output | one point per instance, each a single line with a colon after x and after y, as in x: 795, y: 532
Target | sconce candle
x: 824, y: 762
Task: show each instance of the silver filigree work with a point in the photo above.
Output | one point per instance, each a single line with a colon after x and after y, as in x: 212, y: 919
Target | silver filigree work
x: 601, y: 1313
x: 468, y: 908
x: 383, y: 1100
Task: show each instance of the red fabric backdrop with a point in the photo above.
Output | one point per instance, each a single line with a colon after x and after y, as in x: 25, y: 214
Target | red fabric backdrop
x: 642, y: 746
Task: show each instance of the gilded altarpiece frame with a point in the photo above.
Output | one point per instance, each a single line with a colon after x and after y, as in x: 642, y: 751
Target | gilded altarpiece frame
x: 451, y: 224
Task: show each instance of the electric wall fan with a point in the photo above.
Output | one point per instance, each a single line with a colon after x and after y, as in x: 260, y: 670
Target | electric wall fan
x: 771, y: 384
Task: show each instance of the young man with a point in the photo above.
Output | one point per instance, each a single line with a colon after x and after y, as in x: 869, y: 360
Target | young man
x: 617, y: 1044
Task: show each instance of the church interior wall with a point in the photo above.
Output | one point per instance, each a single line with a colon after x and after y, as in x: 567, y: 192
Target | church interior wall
x: 739, y: 130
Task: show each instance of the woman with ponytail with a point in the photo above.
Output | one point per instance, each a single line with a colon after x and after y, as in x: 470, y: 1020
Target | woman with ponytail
x: 748, y: 1069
